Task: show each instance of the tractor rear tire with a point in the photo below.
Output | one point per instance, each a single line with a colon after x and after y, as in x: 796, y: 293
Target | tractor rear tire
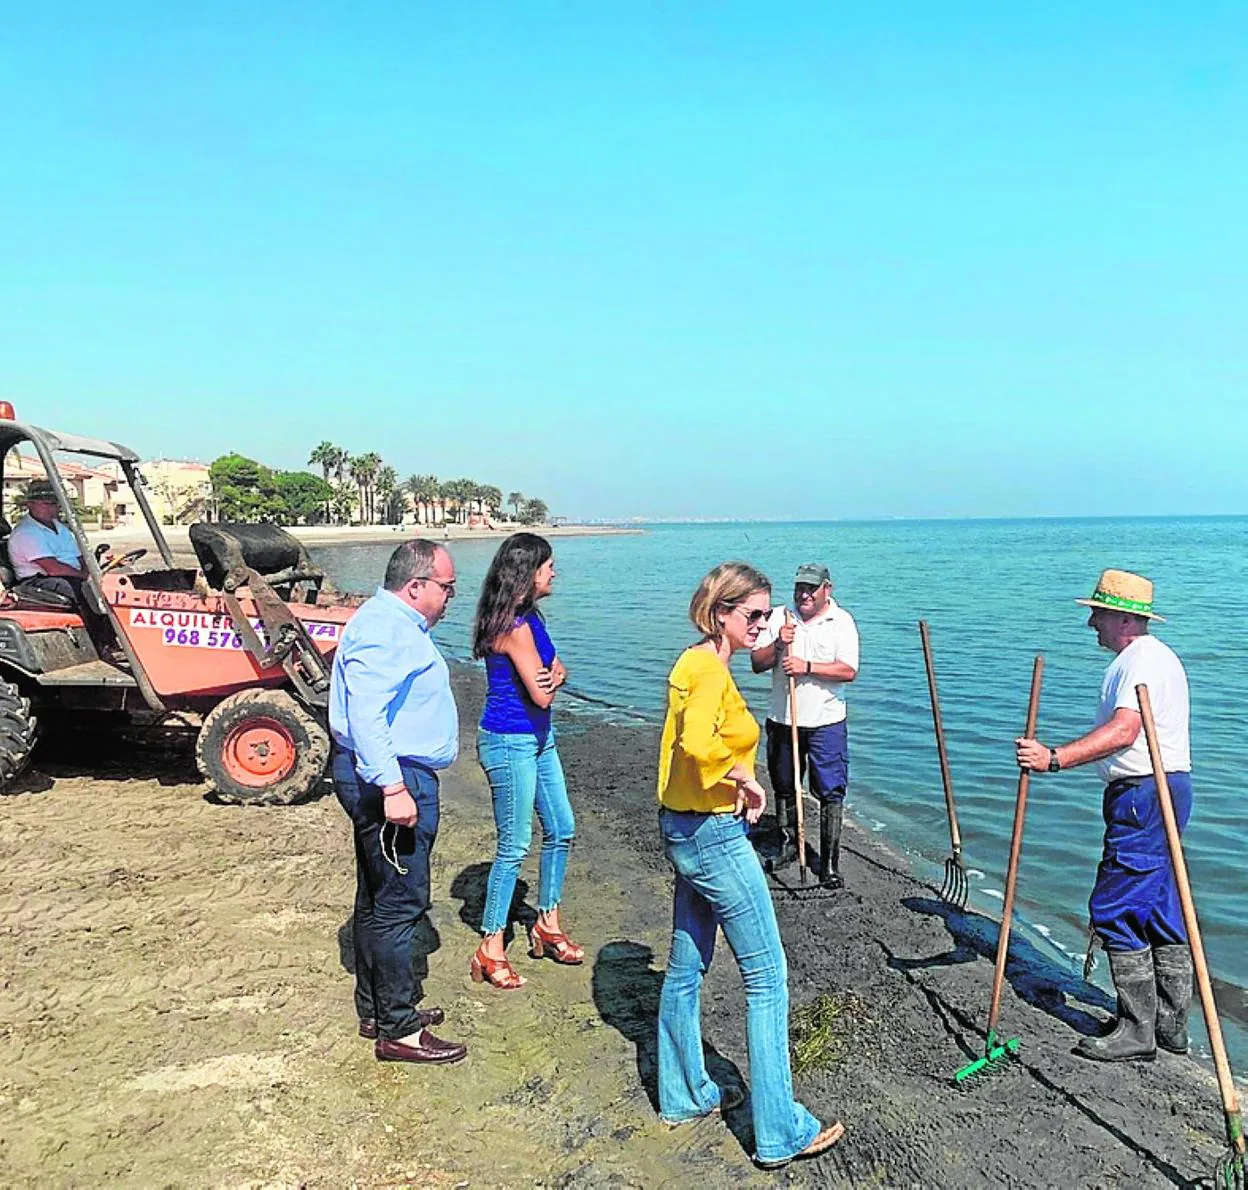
x: 261, y: 748
x: 18, y: 731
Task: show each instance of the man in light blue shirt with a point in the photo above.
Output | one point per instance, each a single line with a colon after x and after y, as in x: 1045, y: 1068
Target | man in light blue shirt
x: 395, y: 724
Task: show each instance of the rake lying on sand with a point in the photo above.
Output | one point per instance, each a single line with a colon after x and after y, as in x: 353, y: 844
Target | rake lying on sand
x: 956, y: 889
x: 996, y: 1052
x: 1229, y: 1172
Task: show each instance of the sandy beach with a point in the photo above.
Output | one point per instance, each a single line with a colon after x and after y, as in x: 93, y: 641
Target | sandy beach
x: 130, y: 537
x: 176, y: 1004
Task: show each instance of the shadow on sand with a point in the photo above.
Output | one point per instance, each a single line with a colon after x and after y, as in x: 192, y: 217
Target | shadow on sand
x: 469, y: 889
x: 626, y: 989
x: 1035, y: 977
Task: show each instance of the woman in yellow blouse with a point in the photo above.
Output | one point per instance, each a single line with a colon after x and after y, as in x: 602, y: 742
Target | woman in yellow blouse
x: 708, y: 795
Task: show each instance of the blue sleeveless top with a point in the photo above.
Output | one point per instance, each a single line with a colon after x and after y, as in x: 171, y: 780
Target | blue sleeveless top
x: 508, y: 708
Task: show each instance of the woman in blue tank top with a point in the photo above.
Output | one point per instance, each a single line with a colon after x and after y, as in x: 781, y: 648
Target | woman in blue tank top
x: 516, y: 747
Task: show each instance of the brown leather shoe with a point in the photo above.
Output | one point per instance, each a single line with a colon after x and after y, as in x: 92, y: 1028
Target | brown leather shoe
x: 428, y: 1049
x: 426, y: 1018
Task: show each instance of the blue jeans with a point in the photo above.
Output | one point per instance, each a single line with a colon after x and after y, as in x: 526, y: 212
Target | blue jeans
x: 388, y: 903
x: 719, y: 883
x: 525, y: 774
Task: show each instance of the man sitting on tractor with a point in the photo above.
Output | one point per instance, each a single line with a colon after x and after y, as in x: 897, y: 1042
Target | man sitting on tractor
x: 46, y: 557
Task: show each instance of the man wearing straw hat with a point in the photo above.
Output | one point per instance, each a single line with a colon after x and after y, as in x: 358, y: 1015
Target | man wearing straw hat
x: 818, y: 650
x: 1135, y: 904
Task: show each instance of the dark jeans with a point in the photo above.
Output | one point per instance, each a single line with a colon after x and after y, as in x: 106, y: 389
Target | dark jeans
x: 824, y: 751
x: 388, y: 903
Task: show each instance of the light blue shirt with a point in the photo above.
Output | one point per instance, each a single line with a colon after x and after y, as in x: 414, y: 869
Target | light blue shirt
x: 390, y: 694
x: 32, y: 539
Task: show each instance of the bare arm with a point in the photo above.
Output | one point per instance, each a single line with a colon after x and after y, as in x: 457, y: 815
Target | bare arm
x: 519, y: 647
x: 767, y: 656
x: 1120, y: 732
x: 50, y: 566
x: 836, y: 671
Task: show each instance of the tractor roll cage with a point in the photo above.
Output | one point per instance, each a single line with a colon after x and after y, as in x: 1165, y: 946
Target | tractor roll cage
x: 46, y: 443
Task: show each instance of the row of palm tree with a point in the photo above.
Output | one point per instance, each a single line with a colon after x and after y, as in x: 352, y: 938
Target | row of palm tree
x: 366, y: 483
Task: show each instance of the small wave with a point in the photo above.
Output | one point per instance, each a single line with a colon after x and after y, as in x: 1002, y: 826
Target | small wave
x: 993, y: 892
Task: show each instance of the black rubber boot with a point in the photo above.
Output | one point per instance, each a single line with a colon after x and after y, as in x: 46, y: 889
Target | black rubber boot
x: 831, y: 816
x: 1172, y: 966
x: 1132, y: 1038
x: 786, y: 821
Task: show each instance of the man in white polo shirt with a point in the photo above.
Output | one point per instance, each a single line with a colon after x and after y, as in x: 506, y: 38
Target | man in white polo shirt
x: 45, y: 557
x: 1135, y: 904
x: 818, y: 649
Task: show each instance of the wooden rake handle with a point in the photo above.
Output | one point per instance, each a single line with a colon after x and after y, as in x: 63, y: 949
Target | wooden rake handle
x: 946, y: 777
x: 1226, y: 1084
x: 1016, y: 846
x: 797, y: 771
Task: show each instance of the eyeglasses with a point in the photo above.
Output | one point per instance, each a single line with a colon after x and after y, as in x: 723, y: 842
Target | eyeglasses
x: 754, y: 614
x: 449, y: 588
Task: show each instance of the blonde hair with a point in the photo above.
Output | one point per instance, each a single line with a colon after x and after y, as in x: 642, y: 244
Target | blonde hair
x: 728, y: 585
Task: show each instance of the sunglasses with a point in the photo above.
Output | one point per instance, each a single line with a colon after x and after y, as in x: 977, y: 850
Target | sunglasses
x: 449, y: 588
x: 754, y: 615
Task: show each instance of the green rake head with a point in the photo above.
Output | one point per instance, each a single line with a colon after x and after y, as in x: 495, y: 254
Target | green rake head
x: 997, y: 1055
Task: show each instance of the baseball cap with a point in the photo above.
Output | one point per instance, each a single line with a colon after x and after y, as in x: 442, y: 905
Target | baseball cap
x: 813, y: 573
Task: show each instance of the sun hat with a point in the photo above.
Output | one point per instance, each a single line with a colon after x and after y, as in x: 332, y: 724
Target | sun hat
x: 813, y: 573
x: 1122, y: 591
x: 40, y: 489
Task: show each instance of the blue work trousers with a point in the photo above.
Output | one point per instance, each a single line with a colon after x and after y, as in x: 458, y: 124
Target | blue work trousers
x: 1135, y: 902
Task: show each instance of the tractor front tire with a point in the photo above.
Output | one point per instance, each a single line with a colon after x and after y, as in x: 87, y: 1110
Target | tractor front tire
x: 261, y: 748
x: 18, y: 731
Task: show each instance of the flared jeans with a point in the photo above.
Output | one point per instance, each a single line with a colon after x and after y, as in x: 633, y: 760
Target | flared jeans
x: 720, y: 884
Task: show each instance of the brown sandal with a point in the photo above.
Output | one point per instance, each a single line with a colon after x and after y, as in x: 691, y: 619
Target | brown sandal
x: 562, y: 948
x: 498, y: 973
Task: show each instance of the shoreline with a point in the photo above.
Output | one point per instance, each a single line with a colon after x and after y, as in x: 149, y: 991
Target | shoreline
x: 178, y: 536
x: 180, y: 1009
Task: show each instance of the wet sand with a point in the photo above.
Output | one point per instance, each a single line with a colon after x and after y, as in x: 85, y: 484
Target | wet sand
x: 175, y: 1007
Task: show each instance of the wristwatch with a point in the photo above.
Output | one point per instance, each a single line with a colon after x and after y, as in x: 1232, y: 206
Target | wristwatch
x: 1055, y: 765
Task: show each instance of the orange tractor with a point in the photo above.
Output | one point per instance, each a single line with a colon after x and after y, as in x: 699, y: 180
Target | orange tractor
x: 236, y: 648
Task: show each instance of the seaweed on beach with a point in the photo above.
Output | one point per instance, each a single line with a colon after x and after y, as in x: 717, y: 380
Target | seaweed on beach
x: 821, y: 1031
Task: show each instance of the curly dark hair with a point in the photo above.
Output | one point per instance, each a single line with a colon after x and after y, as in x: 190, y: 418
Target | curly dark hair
x: 508, y: 590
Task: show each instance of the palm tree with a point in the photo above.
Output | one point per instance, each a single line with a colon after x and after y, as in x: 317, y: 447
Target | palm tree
x: 329, y: 458
x: 364, y: 470
x: 492, y: 498
x: 344, y: 500
x: 423, y: 490
x: 389, y: 495
x: 515, y: 499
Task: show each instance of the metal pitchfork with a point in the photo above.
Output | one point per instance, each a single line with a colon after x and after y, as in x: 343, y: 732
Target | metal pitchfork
x: 956, y: 889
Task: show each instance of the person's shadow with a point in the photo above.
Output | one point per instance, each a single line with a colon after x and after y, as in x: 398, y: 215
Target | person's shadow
x: 626, y: 989
x: 1033, y: 975
x: 469, y: 888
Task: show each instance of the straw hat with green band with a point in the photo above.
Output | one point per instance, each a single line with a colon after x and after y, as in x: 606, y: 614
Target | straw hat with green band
x: 1122, y: 591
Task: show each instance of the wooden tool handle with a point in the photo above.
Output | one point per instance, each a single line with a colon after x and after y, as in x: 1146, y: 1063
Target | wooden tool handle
x: 1016, y: 846
x: 1226, y: 1084
x: 955, y: 835
x: 797, y: 772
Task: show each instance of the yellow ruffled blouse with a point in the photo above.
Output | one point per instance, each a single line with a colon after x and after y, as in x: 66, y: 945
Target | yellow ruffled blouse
x: 708, y: 730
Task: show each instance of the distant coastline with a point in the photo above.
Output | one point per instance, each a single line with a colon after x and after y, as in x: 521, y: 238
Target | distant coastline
x: 134, y: 536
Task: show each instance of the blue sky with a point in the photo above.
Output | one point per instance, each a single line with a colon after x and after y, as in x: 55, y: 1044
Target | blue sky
x: 645, y: 258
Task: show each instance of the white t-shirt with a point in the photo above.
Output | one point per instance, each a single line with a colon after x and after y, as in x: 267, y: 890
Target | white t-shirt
x: 32, y: 539
x: 1147, y: 660
x: 830, y: 636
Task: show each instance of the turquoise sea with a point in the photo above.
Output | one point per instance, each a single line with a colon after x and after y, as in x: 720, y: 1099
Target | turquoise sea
x: 995, y: 593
